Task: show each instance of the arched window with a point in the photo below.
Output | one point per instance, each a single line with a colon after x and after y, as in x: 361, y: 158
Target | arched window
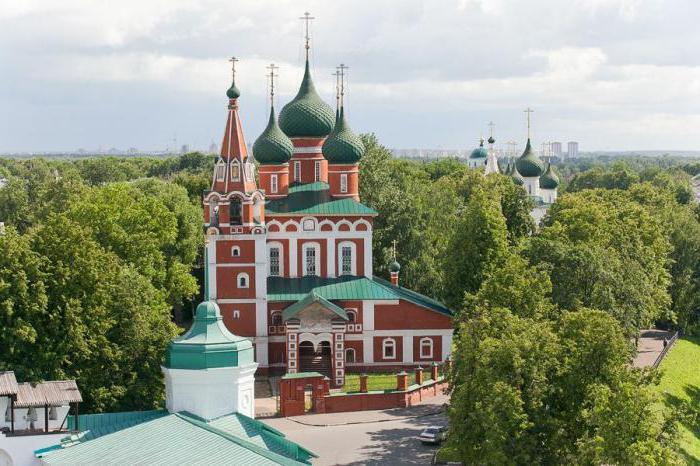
x: 220, y: 171
x: 312, y: 259
x: 308, y: 224
x: 243, y: 280
x: 389, y: 348
x: 274, y: 261
x: 235, y: 251
x: 426, y: 347
x: 214, y: 211
x: 347, y: 258
x: 235, y: 171
x: 277, y: 318
x: 351, y: 316
x: 350, y: 355
x: 344, y: 183
x: 235, y: 210
x: 273, y: 184
x: 236, y: 314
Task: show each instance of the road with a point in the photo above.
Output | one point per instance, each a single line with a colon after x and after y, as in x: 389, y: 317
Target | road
x: 386, y: 437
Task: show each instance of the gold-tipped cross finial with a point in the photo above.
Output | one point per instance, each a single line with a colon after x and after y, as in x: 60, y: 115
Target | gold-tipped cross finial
x: 272, y: 76
x: 393, y: 250
x: 233, y: 61
x: 491, y: 126
x: 307, y: 19
x: 337, y: 89
x: 528, y: 111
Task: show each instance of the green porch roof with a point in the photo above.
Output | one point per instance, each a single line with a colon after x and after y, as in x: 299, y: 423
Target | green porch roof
x: 315, y: 199
x: 309, y: 299
x: 183, y: 438
x: 346, y: 288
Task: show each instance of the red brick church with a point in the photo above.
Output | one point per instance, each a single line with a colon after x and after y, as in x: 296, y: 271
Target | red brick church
x: 291, y: 259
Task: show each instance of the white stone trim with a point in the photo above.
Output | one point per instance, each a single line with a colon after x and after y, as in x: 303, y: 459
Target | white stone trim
x: 276, y: 244
x: 330, y: 259
x: 407, y: 349
x: 317, y: 257
x: 421, y: 345
x: 389, y: 342
x: 367, y: 347
x: 211, y: 259
x: 368, y: 315
x: 309, y: 150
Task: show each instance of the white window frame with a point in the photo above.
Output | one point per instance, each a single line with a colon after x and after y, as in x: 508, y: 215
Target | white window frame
x: 429, y: 345
x: 317, y: 170
x: 220, y: 171
x: 297, y: 171
x: 235, y: 251
x: 236, y: 314
x: 354, y: 355
x: 273, y: 184
x: 308, y: 224
x: 352, y: 312
x: 235, y: 170
x: 249, y: 170
x: 317, y: 259
x: 353, y: 257
x: 343, y: 182
x: 280, y: 248
x: 389, y: 343
x: 244, y: 276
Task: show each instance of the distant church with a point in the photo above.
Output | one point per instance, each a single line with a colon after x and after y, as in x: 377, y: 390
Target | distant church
x: 292, y: 258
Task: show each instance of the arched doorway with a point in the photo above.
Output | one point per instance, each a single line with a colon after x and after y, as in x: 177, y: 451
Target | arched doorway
x: 315, y: 359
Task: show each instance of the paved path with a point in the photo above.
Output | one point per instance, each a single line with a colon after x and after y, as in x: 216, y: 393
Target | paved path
x: 384, y: 437
x: 651, y: 343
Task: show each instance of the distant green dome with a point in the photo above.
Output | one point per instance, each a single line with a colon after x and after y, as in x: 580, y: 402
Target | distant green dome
x: 549, y: 180
x: 517, y: 178
x: 208, y: 343
x: 272, y: 146
x: 342, y: 145
x: 394, y: 266
x: 480, y: 152
x: 233, y: 92
x: 528, y: 164
x: 307, y: 115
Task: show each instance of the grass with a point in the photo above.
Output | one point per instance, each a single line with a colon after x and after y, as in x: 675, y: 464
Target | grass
x: 680, y: 383
x: 378, y: 381
x: 446, y: 455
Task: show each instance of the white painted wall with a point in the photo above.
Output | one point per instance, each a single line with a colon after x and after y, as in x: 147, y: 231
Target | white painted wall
x: 20, y: 450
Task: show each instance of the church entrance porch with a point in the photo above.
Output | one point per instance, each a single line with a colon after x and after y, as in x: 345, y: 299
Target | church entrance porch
x: 315, y: 359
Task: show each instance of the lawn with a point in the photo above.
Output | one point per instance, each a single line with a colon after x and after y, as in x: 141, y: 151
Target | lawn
x: 681, y: 382
x: 378, y: 381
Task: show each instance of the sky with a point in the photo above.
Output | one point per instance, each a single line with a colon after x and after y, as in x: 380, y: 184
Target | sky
x: 151, y: 74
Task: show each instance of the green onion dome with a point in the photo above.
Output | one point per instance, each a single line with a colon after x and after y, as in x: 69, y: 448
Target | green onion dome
x: 342, y: 145
x: 208, y: 343
x: 549, y: 180
x: 528, y: 164
x: 394, y: 266
x: 307, y: 115
x: 233, y: 92
x: 517, y: 177
x: 272, y: 146
x: 480, y: 152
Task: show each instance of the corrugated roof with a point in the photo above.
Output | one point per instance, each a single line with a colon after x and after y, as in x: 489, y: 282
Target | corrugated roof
x: 93, y: 426
x: 51, y: 393
x: 315, y: 199
x: 176, y: 439
x: 347, y: 288
x: 8, y: 383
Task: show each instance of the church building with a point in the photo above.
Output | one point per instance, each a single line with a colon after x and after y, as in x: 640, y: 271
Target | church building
x: 291, y: 254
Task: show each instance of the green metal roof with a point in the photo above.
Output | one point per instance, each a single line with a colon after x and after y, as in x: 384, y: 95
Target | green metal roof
x: 307, y: 115
x: 183, y: 438
x: 343, y: 146
x: 93, y: 426
x: 549, y: 180
x: 272, y: 146
x: 208, y: 343
x: 480, y: 152
x: 315, y: 199
x: 529, y: 164
x: 346, y: 288
x: 313, y: 298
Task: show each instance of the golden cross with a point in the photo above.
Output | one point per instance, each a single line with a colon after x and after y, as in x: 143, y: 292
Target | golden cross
x: 307, y: 19
x: 272, y: 75
x: 342, y: 69
x: 393, y: 249
x: 528, y: 111
x: 233, y: 61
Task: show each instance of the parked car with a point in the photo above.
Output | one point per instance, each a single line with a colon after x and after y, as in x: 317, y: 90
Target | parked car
x: 433, y: 434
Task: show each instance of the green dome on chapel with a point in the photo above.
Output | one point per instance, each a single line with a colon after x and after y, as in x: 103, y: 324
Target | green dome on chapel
x: 233, y: 92
x: 549, y: 180
x: 342, y: 145
x: 517, y: 178
x: 272, y: 146
x: 528, y: 164
x: 480, y: 152
x: 307, y: 115
x: 394, y: 266
x: 208, y: 343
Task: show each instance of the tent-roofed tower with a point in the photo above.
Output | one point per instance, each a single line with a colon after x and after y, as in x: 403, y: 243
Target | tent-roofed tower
x: 307, y: 120
x: 234, y: 204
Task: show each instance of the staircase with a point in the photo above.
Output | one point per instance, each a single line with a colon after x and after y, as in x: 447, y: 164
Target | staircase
x: 316, y: 363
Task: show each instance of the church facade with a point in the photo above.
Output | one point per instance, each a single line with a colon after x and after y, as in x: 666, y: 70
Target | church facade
x: 290, y: 258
